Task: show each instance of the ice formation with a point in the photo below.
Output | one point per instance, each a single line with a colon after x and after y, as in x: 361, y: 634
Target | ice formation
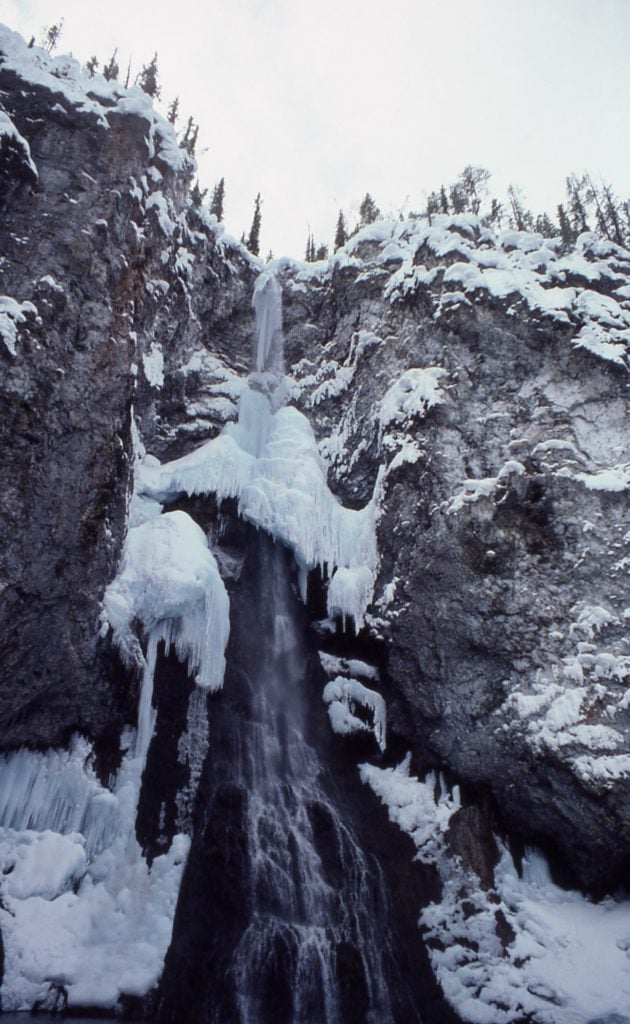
x: 269, y: 460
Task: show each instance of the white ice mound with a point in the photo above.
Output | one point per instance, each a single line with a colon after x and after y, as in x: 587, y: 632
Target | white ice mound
x: 270, y: 462
x: 169, y: 580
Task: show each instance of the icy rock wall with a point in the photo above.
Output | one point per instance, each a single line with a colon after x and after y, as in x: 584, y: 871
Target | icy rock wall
x: 484, y: 376
x: 112, y: 290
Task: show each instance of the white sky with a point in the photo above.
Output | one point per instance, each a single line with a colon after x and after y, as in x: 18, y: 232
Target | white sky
x: 315, y: 102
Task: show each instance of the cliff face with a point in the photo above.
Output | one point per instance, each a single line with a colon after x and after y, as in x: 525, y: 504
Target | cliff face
x: 472, y: 387
x: 102, y: 262
x: 489, y: 377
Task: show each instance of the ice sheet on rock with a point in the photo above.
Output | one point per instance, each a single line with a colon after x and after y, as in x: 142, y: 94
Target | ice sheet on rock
x: 342, y: 695
x: 267, y: 303
x: 170, y: 581
x: 335, y: 666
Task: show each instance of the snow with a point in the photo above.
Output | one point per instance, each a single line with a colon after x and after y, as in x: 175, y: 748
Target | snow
x: 93, y: 96
x: 13, y: 313
x: 342, y: 695
x: 153, y: 364
x: 413, y: 394
x: 9, y: 131
x: 170, y: 582
x: 79, y: 905
x: 474, y: 263
x: 617, y: 478
x: 563, y: 959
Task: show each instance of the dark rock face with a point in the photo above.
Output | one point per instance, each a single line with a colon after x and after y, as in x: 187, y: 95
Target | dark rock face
x: 489, y: 595
x: 83, y: 246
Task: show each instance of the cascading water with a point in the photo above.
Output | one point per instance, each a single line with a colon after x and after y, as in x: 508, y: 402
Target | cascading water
x: 294, y: 928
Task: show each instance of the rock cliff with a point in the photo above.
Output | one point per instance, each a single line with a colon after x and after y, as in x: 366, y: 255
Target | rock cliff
x: 473, y: 386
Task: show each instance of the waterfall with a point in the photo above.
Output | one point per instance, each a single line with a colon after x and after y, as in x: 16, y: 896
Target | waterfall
x: 298, y: 932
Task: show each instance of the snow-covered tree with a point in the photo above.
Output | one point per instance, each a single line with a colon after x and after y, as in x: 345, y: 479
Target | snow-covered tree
x: 92, y: 66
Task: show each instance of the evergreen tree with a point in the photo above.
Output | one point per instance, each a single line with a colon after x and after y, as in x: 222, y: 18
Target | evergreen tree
x: 189, y: 139
x: 322, y: 252
x: 614, y: 214
x: 92, y: 66
x: 173, y: 111
x: 545, y: 226
x: 458, y: 198
x: 51, y: 36
x: 148, y: 79
x: 576, y: 203
x: 31, y: 42
x: 444, y: 207
x: 309, y: 252
x: 341, y: 232
x: 253, y: 241
x: 128, y: 75
x: 472, y: 185
x: 269, y: 256
x: 111, y: 70
x: 567, y: 232
x: 433, y: 204
x: 197, y: 196
x: 218, y: 195
x: 368, y: 211
x: 522, y: 219
x: 497, y: 212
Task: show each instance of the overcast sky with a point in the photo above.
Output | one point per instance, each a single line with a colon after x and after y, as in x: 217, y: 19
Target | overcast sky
x: 315, y: 102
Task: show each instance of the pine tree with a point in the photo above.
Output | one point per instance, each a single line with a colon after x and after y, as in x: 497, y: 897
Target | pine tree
x: 173, y: 111
x: 433, y: 204
x: 269, y: 256
x: 322, y: 252
x: 218, y: 195
x: 614, y: 212
x: 197, y: 196
x: 189, y: 139
x: 567, y: 232
x: 31, y: 42
x: 522, y: 219
x: 341, y: 233
x: 545, y: 226
x: 148, y: 79
x: 576, y: 195
x: 253, y: 241
x: 111, y: 70
x: 473, y: 186
x: 496, y: 215
x: 368, y: 211
x: 92, y: 66
x: 309, y: 252
x: 444, y: 201
x: 51, y: 35
x: 128, y: 75
x: 458, y: 198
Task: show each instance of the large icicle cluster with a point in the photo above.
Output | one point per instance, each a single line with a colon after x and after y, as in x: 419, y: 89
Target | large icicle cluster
x: 270, y: 462
x: 169, y: 581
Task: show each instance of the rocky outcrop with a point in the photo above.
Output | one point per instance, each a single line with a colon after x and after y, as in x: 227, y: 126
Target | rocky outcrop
x: 107, y: 275
x: 497, y: 401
